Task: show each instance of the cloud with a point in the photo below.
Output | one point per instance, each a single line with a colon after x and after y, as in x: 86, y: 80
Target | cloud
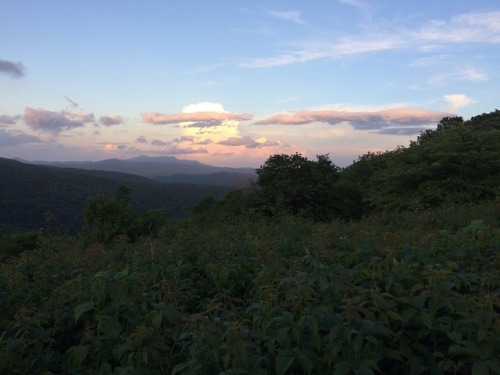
x: 202, y: 117
x: 479, y: 27
x: 457, y: 101
x: 238, y: 141
x: 402, y: 131
x: 361, y: 120
x: 203, y: 124
x: 15, y: 70
x: 109, y: 120
x: 311, y: 51
x: 71, y: 101
x: 466, y: 28
x: 184, y: 138
x: 291, y: 15
x: 55, y: 122
x: 463, y: 74
x: 159, y: 142
x: 16, y: 138
x: 8, y: 120
x: 248, y: 142
x: 356, y: 3
x: 141, y: 139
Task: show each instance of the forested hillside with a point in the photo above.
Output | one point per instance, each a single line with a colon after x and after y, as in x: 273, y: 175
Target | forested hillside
x: 389, y: 266
x: 28, y: 193
x: 458, y: 162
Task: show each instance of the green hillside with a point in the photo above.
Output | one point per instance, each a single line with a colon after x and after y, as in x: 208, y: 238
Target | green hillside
x: 456, y: 163
x: 29, y: 192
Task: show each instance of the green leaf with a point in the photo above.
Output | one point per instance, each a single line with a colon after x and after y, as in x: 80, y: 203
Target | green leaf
x: 109, y: 327
x: 284, y: 361
x: 191, y: 367
x: 426, y: 318
x: 82, y: 308
x: 481, y: 333
x: 341, y: 368
x: 480, y: 368
x: 494, y: 364
x: 156, y: 318
x: 393, y: 315
x: 364, y: 370
x: 77, y: 354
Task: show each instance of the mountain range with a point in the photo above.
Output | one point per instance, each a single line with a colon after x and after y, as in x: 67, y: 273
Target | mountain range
x: 29, y: 193
x: 166, y: 169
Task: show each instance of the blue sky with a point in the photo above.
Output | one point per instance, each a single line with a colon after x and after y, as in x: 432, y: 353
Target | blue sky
x: 232, y: 82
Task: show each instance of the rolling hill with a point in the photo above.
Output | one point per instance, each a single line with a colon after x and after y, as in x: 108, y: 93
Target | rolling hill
x: 28, y: 192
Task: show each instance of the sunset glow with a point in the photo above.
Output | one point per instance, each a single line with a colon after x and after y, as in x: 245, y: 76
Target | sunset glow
x: 231, y: 84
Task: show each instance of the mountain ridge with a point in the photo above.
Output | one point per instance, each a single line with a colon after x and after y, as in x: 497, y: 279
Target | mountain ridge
x: 163, y: 169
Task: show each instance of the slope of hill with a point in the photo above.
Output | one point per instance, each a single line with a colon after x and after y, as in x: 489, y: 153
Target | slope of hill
x: 455, y: 164
x: 218, y: 178
x: 28, y: 192
x: 159, y: 168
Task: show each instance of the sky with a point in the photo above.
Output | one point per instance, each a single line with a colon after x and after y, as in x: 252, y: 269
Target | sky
x: 231, y: 83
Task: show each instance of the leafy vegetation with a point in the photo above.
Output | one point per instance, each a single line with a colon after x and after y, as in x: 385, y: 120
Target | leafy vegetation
x: 393, y: 293
x: 457, y: 163
x: 262, y: 283
x: 105, y: 219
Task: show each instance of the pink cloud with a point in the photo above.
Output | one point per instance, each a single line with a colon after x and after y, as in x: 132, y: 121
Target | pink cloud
x: 55, y: 122
x: 373, y: 120
x: 8, y: 120
x: 216, y: 117
x: 238, y: 141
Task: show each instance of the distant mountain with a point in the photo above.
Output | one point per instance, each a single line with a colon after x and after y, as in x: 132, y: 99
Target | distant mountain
x: 28, y: 192
x: 167, y: 169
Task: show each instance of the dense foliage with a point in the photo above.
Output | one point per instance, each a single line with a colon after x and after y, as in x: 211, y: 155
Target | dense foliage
x: 392, y: 294
x: 458, y: 162
x: 276, y: 279
x: 107, y: 218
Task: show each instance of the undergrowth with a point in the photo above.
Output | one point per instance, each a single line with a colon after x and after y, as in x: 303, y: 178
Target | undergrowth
x: 410, y: 293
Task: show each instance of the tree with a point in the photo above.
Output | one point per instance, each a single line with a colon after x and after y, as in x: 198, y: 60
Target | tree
x: 106, y: 218
x: 292, y: 184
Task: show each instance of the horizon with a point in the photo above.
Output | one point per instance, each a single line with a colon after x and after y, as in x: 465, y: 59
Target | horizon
x: 230, y: 85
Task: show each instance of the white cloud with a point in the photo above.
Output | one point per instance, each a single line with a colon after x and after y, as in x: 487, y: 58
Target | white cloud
x: 204, y: 107
x: 361, y: 5
x: 460, y: 74
x: 456, y: 101
x: 291, y: 15
x: 472, y: 27
x: 466, y: 28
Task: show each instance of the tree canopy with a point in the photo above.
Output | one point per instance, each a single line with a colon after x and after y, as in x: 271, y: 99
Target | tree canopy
x: 456, y: 163
x: 294, y: 185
